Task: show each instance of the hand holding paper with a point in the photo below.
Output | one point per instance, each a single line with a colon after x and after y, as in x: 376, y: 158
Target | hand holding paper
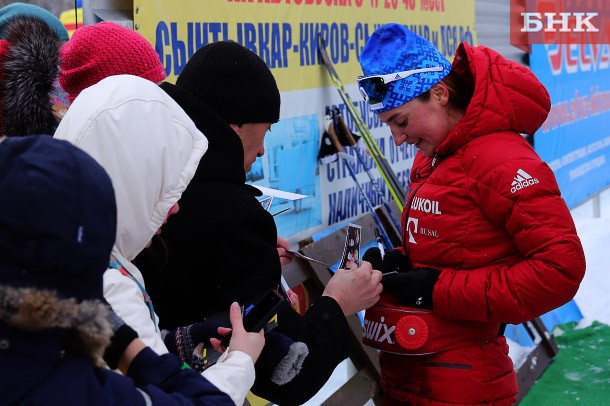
x: 355, y: 289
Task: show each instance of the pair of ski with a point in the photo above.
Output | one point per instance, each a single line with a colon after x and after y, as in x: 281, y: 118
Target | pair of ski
x: 387, y: 173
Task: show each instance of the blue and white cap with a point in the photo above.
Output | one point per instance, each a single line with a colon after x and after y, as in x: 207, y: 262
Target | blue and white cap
x: 398, y: 66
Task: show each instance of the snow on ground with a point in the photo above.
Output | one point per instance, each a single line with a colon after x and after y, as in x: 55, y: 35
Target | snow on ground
x: 593, y: 297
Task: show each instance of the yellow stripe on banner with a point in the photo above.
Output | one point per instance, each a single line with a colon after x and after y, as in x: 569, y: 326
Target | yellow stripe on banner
x: 284, y: 32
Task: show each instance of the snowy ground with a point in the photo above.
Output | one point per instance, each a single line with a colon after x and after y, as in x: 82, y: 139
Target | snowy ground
x: 593, y: 297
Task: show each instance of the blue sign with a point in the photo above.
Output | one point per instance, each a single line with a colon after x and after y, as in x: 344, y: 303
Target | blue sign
x: 290, y: 164
x: 575, y: 138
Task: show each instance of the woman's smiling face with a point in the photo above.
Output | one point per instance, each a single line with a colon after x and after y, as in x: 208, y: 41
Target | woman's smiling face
x: 424, y: 124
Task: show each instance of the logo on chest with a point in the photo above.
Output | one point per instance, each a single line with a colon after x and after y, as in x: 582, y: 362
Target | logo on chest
x: 413, y: 227
x: 425, y: 205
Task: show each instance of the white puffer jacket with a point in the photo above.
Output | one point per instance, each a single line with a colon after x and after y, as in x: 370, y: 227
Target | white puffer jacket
x: 151, y: 149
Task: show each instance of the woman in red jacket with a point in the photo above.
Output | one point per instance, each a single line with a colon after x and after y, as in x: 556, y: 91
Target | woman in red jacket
x: 487, y: 237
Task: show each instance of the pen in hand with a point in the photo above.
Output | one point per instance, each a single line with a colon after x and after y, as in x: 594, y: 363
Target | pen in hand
x: 379, y: 243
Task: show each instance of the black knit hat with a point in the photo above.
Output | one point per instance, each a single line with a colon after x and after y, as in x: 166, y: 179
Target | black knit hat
x: 233, y: 81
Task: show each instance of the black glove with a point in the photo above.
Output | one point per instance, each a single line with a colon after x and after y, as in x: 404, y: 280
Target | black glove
x: 183, y: 341
x: 393, y: 260
x: 414, y: 287
x: 122, y: 337
x: 281, y: 359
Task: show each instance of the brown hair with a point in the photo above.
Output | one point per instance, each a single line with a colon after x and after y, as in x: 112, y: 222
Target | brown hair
x: 460, y: 91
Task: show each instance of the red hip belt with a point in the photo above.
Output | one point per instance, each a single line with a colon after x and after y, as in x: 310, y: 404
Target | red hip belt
x: 411, y: 331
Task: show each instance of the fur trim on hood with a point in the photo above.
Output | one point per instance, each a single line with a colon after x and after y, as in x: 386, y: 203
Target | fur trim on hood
x: 30, y: 68
x: 31, y: 309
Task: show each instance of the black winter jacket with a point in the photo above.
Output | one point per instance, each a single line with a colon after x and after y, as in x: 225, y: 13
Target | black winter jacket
x: 222, y: 248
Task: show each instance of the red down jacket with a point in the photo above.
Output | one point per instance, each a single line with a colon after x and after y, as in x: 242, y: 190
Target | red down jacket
x: 488, y: 213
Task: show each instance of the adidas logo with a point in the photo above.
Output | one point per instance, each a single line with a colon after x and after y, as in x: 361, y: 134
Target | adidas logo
x: 522, y: 180
x: 397, y: 77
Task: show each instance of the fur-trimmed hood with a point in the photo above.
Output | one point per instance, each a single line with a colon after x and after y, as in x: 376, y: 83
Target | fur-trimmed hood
x: 29, y: 69
x: 34, y: 310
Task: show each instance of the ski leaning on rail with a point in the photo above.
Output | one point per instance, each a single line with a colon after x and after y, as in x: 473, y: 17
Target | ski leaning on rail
x: 387, y: 173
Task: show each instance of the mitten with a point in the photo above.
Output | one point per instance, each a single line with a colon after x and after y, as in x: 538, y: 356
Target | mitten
x: 183, y: 341
x: 122, y: 337
x: 414, y: 287
x: 281, y: 358
x: 393, y: 260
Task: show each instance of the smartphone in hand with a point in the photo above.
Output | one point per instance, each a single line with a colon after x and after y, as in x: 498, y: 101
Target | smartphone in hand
x: 257, y: 316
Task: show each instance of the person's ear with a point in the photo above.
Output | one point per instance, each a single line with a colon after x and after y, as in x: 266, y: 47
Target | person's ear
x: 440, y: 93
x: 236, y: 128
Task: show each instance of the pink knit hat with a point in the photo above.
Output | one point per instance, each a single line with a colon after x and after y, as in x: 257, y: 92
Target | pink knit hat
x: 105, y: 49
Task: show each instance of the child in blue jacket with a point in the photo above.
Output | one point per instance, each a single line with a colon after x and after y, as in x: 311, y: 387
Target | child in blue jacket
x: 57, y: 227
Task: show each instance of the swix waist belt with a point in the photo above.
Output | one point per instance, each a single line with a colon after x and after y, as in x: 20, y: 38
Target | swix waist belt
x: 409, y: 331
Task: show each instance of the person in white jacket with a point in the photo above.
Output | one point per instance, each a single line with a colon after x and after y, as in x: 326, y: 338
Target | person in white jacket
x: 151, y: 149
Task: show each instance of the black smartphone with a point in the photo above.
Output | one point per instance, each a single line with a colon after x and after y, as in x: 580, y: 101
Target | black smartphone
x: 257, y: 316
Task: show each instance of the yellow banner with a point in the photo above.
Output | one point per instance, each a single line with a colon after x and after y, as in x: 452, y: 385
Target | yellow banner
x: 284, y: 32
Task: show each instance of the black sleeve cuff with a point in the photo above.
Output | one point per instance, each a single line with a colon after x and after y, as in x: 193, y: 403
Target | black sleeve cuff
x: 119, y: 342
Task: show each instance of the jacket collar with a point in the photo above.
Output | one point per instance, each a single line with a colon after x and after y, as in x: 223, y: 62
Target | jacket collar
x: 224, y: 159
x: 38, y: 330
